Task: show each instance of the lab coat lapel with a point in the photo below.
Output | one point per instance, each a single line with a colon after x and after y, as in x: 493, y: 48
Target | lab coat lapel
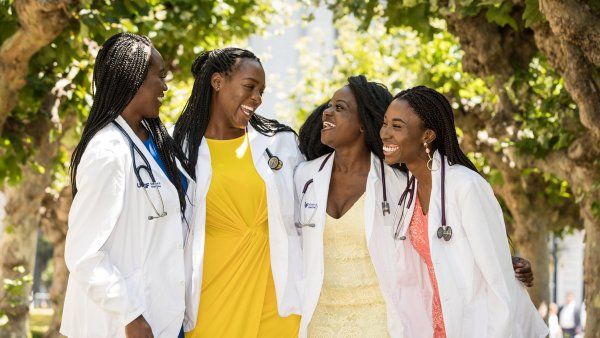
x: 409, y: 212
x: 371, y: 197
x: 321, y: 184
x: 156, y: 170
x: 203, y: 170
x: 434, y: 214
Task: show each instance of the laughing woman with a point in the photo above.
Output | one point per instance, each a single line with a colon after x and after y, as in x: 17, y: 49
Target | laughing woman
x: 127, y: 231
x: 453, y: 248
x: 245, y: 243
x: 348, y: 199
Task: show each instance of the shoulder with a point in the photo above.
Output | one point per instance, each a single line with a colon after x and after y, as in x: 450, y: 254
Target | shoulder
x: 309, y: 168
x: 107, y: 148
x: 285, y: 138
x: 462, y: 176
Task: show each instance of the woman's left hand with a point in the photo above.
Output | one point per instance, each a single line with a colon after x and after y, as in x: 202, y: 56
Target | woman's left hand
x: 523, y: 271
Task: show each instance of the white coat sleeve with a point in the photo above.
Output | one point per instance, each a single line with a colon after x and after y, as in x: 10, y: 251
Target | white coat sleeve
x: 94, y: 213
x: 483, y: 223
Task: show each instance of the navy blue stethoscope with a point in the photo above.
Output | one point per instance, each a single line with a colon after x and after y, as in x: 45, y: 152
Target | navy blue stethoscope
x: 137, y: 169
x: 406, y: 199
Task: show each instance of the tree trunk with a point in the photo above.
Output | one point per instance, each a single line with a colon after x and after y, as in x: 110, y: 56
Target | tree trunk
x: 23, y: 215
x: 533, y: 245
x: 40, y: 23
x: 54, y: 227
x: 591, y: 271
x: 17, y: 253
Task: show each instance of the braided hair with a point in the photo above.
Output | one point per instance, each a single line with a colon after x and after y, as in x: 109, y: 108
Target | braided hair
x: 372, y: 99
x: 121, y: 67
x: 436, y: 113
x: 191, y: 125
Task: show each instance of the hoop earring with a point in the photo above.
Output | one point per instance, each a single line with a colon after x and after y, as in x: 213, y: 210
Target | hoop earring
x: 433, y: 164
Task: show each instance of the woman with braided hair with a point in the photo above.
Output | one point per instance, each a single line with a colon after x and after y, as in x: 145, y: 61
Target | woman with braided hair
x: 246, y: 249
x: 128, y: 224
x: 349, y: 283
x: 456, y: 276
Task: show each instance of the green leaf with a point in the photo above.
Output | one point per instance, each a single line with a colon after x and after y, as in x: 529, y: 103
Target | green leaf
x: 500, y: 15
x: 532, y: 14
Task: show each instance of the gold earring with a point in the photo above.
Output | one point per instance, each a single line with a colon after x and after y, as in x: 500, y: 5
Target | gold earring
x: 431, y: 161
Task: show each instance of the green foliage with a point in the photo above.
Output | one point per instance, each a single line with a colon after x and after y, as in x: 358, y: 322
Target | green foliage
x: 543, y: 110
x: 420, y: 15
x: 179, y: 29
x: 500, y: 15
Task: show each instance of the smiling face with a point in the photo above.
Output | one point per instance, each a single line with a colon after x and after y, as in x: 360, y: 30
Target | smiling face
x: 341, y: 121
x: 403, y: 134
x: 148, y: 98
x: 238, y: 94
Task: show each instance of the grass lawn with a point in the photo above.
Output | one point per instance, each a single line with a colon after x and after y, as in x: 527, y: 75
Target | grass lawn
x: 39, y: 321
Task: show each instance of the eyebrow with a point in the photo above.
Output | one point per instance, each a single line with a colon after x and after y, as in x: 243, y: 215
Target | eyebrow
x: 399, y: 119
x: 340, y: 100
x: 251, y: 79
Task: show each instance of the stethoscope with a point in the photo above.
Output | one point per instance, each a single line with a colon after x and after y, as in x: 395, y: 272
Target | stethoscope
x: 274, y: 161
x: 385, y: 206
x: 137, y: 169
x: 406, y: 199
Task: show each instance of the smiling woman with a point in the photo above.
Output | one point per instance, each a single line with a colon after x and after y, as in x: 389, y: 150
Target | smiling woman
x: 246, y: 247
x: 127, y: 223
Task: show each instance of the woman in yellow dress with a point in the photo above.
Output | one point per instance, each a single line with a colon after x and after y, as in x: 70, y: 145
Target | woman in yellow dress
x: 245, y: 246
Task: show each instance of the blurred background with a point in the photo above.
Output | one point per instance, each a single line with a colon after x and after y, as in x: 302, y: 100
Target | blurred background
x: 522, y: 76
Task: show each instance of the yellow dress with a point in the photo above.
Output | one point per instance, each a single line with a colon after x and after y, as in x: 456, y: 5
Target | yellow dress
x: 350, y: 304
x: 238, y: 292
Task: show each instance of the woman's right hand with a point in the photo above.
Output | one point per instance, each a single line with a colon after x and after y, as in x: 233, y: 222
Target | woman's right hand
x: 138, y: 328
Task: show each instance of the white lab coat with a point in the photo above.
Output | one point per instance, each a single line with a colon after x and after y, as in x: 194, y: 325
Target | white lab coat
x: 284, y: 241
x: 378, y: 234
x: 479, y: 294
x: 121, y: 264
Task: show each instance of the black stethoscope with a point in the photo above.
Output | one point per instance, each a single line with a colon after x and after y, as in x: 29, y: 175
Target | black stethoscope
x: 148, y: 169
x: 274, y: 161
x: 385, y: 206
x: 406, y: 199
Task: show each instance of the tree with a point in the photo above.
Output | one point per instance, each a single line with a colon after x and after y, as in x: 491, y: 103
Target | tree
x: 400, y: 58
x: 47, y: 51
x: 501, y: 39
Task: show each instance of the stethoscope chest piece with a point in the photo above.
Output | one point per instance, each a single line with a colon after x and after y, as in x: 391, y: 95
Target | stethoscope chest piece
x: 444, y: 232
x: 275, y: 163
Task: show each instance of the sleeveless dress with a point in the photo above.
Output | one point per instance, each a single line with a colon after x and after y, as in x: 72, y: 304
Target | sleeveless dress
x: 419, y: 238
x: 238, y: 293
x: 350, y: 304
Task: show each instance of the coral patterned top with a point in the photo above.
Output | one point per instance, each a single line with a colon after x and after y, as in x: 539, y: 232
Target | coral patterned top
x: 420, y: 241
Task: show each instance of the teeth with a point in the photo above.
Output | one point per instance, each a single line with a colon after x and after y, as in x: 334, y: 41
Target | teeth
x: 247, y: 110
x: 328, y: 125
x: 161, y: 98
x: 390, y: 148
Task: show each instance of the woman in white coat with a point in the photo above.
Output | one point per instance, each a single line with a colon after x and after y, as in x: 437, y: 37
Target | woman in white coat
x: 346, y: 196
x: 456, y: 277
x: 127, y: 230
x: 348, y: 287
x: 246, y: 250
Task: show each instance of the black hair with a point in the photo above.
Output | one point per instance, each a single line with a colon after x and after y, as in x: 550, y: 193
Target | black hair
x: 436, y: 113
x: 191, y: 125
x: 121, y: 67
x: 372, y: 99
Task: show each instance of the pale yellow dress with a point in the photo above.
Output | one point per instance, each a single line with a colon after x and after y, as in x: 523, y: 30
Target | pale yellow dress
x: 351, y: 304
x: 238, y: 293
